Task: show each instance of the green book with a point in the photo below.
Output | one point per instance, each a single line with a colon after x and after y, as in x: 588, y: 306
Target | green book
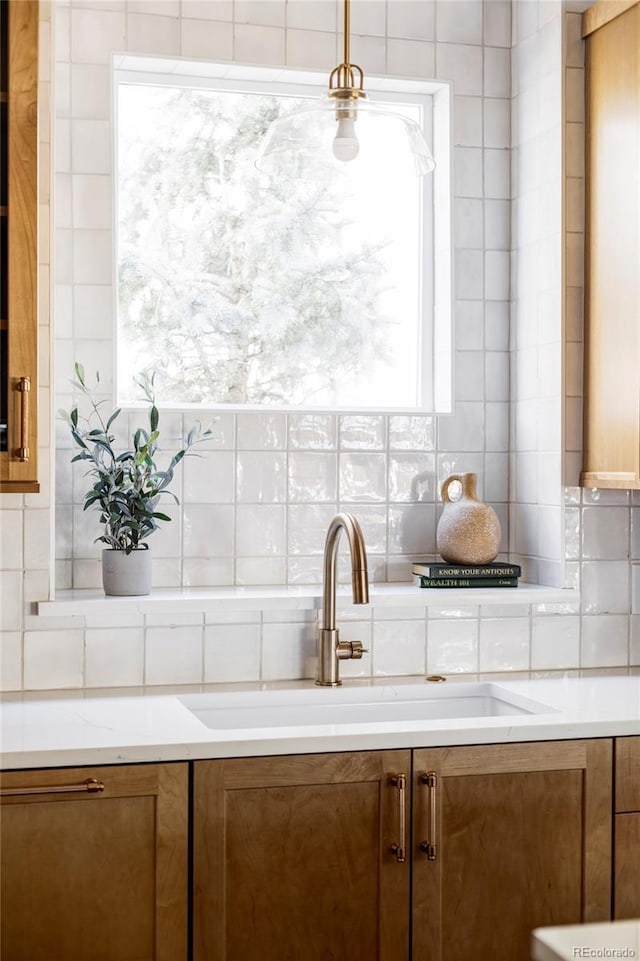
x: 495, y: 569
x: 453, y: 582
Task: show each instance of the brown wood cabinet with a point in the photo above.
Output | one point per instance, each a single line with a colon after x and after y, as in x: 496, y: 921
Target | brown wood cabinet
x: 626, y: 894
x: 293, y: 858
x: 298, y: 857
x: 18, y: 246
x: 91, y: 871
x: 520, y: 837
x: 612, y: 274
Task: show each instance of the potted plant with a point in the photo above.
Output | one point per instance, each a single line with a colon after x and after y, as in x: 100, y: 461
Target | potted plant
x: 127, y: 486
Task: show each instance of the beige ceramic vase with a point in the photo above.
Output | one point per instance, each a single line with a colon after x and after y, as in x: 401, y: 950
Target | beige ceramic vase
x: 468, y: 530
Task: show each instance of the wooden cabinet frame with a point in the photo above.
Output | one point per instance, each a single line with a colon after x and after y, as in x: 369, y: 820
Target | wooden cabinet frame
x: 18, y: 464
x: 359, y: 889
x: 611, y: 457
x: 626, y: 882
x: 73, y: 854
x: 510, y: 831
x: 521, y: 832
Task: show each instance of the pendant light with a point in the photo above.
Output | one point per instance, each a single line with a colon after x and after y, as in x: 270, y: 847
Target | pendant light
x: 342, y: 128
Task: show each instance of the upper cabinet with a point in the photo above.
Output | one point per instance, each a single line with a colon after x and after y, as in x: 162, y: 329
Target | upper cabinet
x: 612, y: 284
x: 18, y: 246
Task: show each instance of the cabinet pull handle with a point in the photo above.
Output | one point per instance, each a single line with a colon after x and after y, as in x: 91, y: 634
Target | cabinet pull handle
x: 91, y: 786
x: 400, y: 781
x: 24, y: 389
x: 430, y: 779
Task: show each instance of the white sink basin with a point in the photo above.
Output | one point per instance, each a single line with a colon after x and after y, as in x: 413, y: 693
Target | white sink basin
x: 370, y: 705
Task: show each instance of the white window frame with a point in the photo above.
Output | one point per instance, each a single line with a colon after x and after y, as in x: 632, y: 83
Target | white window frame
x: 437, y: 281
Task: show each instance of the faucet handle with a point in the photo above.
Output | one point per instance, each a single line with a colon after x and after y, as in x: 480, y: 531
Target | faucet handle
x: 350, y: 650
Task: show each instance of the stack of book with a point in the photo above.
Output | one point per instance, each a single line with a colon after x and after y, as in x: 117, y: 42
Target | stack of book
x: 497, y: 574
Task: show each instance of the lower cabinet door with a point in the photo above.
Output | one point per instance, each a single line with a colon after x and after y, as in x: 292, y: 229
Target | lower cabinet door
x: 626, y: 895
x: 302, y: 858
x: 508, y: 838
x: 93, y: 864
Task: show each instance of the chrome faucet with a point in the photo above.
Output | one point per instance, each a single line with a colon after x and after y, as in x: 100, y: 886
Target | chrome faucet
x: 331, y: 650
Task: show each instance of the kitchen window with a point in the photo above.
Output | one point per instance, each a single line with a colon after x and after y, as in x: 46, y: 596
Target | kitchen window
x: 330, y: 291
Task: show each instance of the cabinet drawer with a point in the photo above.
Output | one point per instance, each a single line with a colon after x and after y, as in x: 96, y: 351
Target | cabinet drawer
x: 627, y: 784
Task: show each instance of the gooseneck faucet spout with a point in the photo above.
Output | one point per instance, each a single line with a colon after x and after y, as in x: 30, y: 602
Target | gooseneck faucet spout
x: 331, y: 650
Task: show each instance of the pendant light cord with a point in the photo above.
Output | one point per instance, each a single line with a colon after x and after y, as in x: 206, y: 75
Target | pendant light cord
x: 347, y: 29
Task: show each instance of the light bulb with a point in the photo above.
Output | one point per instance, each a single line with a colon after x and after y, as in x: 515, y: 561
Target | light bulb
x: 345, y: 143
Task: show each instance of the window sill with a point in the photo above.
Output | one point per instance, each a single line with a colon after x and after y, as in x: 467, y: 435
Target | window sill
x: 214, y: 600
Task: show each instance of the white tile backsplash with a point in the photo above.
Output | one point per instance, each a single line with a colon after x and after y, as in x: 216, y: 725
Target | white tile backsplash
x: 255, y: 510
x: 504, y: 644
x: 288, y: 651
x: 605, y: 587
x: 555, y: 642
x: 232, y: 652
x: 312, y: 477
x: 198, y: 9
x: 362, y: 477
x: 173, y: 655
x: 320, y: 16
x: 260, y: 530
x: 206, y: 39
x: 95, y: 34
x: 452, y: 646
x: 260, y: 477
x: 114, y: 657
x: 412, y: 19
x: 258, y: 44
x: 462, y: 65
x: 399, y: 648
x: 309, y: 49
x: 410, y: 58
x: 10, y: 660
x: 604, y: 641
x: 53, y: 659
x: 153, y: 34
x: 460, y: 22
x: 90, y: 92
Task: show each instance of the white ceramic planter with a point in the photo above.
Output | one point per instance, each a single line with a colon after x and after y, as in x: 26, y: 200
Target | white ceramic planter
x: 124, y: 575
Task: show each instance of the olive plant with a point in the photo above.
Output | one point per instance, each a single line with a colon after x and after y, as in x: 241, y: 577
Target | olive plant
x: 128, y: 485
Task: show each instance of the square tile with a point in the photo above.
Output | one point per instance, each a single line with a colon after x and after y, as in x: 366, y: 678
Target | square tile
x: 95, y: 34
x: 260, y: 530
x: 504, y: 644
x: 312, y: 476
x: 605, y: 640
x: 53, y: 659
x: 114, y: 657
x: 206, y: 39
x: 399, y: 648
x: 232, y: 652
x: 10, y: 661
x: 452, y: 646
x: 413, y: 19
x: 362, y: 477
x: 555, y: 642
x: 288, y: 651
x: 359, y: 432
x: 153, y: 34
x: 173, y: 655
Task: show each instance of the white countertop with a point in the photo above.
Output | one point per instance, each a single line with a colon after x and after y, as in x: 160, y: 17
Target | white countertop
x: 613, y: 939
x: 68, y: 730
